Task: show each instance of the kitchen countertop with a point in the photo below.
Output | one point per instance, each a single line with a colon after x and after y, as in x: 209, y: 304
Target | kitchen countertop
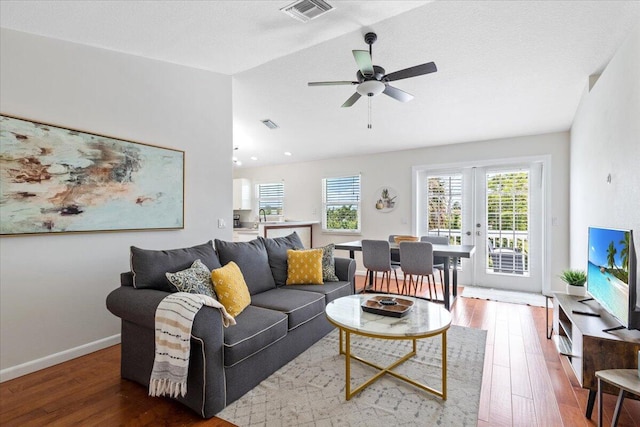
x: 288, y: 224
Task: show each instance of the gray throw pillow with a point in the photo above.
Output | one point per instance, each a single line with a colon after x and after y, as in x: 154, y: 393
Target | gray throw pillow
x: 328, y: 264
x: 149, y: 266
x: 194, y: 280
x: 253, y: 261
x: 277, y: 252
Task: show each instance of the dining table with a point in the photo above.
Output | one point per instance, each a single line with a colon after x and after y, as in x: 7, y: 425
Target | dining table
x: 450, y: 253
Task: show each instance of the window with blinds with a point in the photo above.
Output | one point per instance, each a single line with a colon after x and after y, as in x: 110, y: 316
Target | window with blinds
x: 507, y: 205
x: 341, y: 203
x: 271, y: 198
x: 444, y: 206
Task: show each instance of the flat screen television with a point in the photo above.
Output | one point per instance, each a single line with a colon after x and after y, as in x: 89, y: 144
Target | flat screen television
x: 611, y: 274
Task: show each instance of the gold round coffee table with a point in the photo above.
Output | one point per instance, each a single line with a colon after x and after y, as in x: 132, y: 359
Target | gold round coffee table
x: 426, y: 319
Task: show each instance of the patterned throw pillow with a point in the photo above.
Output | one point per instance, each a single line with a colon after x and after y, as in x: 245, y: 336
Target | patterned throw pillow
x: 231, y: 288
x: 328, y: 264
x: 194, y: 280
x: 304, y: 267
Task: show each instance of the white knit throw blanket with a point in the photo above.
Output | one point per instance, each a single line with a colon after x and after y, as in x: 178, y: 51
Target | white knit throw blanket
x: 174, y: 319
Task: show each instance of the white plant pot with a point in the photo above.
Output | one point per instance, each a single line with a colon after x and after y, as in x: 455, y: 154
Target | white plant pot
x: 577, y: 290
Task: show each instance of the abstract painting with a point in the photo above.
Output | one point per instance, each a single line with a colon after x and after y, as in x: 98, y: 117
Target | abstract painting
x: 58, y: 180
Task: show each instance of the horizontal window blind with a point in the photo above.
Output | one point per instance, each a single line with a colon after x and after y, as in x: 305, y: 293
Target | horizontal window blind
x: 271, y: 198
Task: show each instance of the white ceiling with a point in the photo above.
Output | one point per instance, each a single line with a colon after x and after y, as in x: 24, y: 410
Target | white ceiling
x: 505, y: 68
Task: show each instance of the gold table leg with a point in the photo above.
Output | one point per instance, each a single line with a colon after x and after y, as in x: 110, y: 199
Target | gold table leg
x: 389, y: 369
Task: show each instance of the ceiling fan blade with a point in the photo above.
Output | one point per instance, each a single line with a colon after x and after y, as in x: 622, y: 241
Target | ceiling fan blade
x: 398, y: 94
x: 352, y: 100
x: 336, y: 83
x: 363, y: 59
x: 418, y: 70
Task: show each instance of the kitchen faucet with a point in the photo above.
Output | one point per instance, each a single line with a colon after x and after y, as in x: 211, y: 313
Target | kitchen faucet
x: 263, y: 213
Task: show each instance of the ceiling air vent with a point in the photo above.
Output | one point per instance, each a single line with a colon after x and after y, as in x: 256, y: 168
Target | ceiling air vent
x: 306, y: 10
x: 270, y: 124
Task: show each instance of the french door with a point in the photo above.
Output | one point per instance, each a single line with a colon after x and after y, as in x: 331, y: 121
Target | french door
x: 496, y: 207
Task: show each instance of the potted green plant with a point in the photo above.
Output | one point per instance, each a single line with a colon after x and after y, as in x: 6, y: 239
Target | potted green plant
x: 575, y: 280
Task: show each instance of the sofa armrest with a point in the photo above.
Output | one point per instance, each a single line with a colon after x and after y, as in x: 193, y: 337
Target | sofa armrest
x: 346, y: 270
x: 206, y: 383
x: 135, y: 305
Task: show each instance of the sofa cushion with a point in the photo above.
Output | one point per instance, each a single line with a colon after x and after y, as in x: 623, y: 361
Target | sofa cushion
x: 231, y: 288
x: 256, y: 329
x: 277, y: 252
x: 194, y: 280
x: 304, y: 267
x: 252, y: 259
x: 299, y: 306
x: 328, y: 264
x: 330, y: 290
x: 149, y: 266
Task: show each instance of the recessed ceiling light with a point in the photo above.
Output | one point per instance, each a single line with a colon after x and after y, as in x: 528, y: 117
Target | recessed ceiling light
x: 270, y: 124
x: 286, y: 153
x: 254, y: 158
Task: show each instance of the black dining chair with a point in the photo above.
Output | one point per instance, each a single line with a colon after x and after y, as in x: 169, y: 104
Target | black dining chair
x: 376, y: 257
x: 417, y: 260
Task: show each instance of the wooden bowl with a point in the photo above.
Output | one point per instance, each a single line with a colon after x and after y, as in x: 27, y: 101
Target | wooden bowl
x: 399, y: 239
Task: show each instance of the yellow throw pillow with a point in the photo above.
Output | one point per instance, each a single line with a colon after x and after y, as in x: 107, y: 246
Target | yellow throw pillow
x: 231, y: 288
x: 304, y: 267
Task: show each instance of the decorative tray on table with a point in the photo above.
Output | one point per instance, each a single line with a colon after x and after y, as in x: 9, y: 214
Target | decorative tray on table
x: 388, y: 306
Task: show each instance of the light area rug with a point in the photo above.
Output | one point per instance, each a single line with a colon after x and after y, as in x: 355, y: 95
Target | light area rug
x: 310, y: 390
x: 514, y: 297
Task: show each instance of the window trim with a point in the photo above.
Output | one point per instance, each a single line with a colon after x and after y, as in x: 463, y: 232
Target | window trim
x: 358, y: 205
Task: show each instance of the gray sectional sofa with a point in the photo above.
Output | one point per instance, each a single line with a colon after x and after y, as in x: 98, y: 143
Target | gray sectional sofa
x: 225, y: 363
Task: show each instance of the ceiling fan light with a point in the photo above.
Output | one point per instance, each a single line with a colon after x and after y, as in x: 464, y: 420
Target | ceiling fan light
x: 370, y: 88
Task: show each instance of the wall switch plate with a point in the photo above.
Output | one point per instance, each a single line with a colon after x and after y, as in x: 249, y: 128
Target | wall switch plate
x: 221, y: 223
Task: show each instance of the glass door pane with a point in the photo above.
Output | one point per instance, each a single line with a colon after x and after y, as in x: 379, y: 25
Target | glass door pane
x: 507, y: 220
x: 444, y: 206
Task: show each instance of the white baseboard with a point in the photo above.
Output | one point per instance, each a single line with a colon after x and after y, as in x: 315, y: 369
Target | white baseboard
x: 54, y: 359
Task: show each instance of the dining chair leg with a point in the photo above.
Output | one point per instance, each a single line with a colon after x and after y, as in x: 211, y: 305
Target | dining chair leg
x: 435, y: 290
x: 388, y: 273
x: 395, y: 274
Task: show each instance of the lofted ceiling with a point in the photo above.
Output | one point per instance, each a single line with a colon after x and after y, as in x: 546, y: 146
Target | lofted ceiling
x: 505, y: 68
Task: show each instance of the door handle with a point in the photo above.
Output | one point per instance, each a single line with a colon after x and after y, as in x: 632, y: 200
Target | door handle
x: 468, y: 233
x: 478, y: 233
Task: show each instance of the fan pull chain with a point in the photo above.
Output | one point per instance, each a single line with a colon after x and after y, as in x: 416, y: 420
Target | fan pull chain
x: 369, y: 124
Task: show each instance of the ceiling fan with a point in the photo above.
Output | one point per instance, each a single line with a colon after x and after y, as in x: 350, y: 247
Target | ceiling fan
x: 372, y: 79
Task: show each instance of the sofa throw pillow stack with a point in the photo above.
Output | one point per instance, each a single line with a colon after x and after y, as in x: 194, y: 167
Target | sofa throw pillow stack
x: 194, y: 280
x: 231, y: 288
x: 277, y: 251
x: 305, y: 267
x: 149, y: 267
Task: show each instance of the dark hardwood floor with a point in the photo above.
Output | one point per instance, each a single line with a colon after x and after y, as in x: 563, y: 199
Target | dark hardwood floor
x: 525, y: 383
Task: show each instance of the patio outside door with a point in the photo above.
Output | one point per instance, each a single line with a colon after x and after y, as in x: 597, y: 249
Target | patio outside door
x: 507, y: 227
x: 496, y: 208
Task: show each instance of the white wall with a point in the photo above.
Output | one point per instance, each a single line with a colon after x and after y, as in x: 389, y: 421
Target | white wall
x: 303, y: 189
x: 53, y: 287
x: 605, y: 139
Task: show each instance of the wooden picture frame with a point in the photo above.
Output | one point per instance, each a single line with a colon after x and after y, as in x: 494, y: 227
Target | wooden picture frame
x: 61, y: 180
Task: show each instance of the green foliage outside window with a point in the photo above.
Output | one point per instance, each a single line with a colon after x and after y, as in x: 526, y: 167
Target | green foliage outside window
x: 342, y: 218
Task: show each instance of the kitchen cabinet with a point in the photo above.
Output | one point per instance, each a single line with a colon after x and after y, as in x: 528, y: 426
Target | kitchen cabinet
x: 241, y: 194
x: 245, y: 235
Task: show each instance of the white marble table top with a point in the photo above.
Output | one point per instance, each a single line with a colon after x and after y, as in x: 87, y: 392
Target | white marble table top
x: 425, y: 319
